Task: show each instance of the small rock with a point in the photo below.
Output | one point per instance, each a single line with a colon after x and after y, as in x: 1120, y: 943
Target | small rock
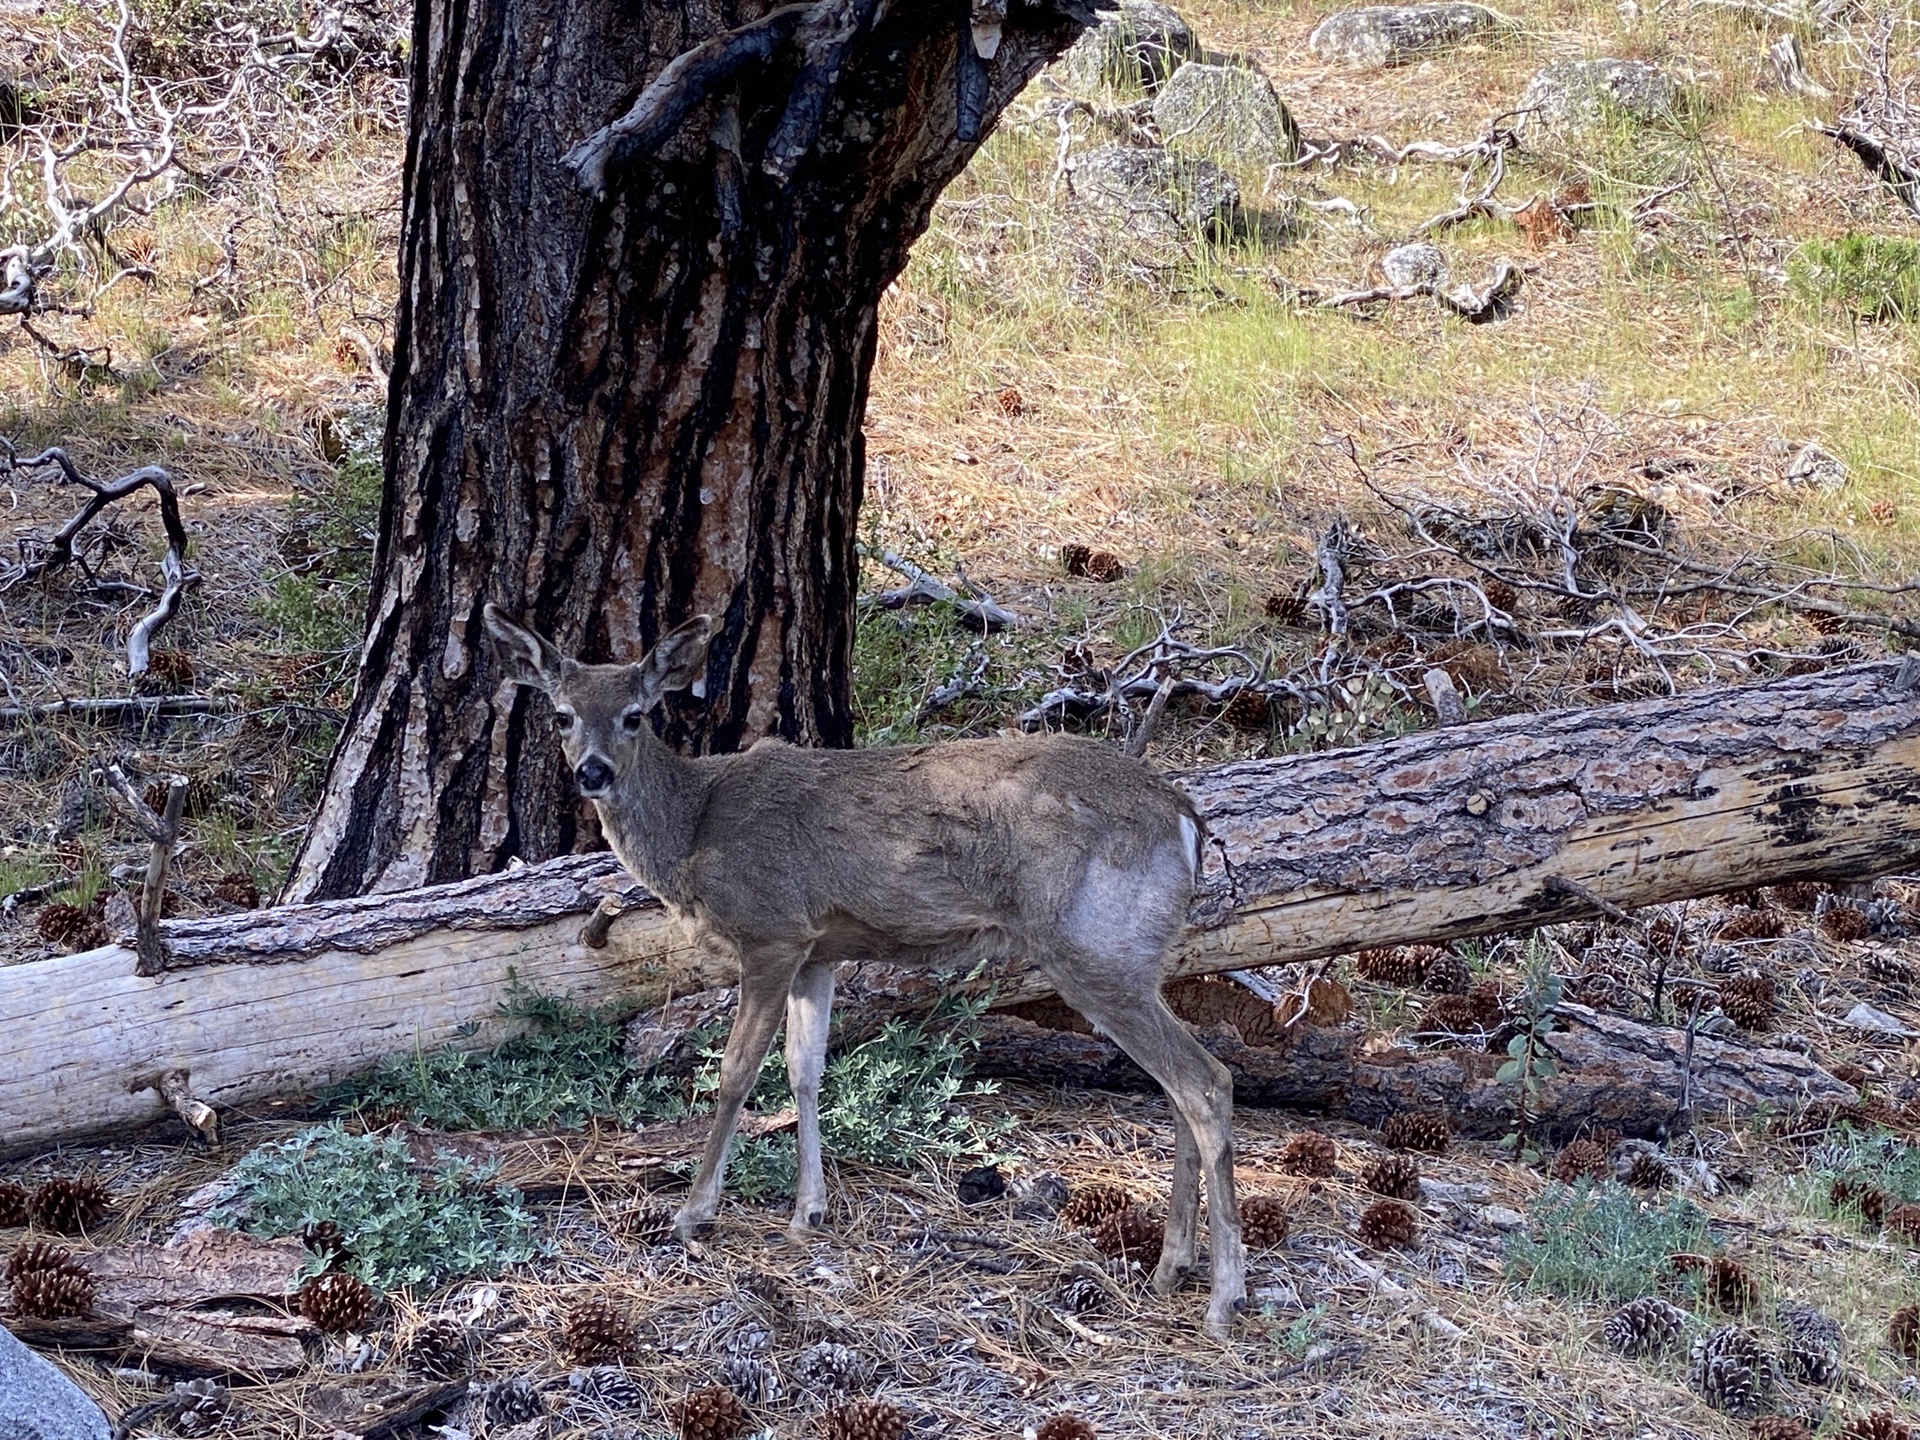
x: 1501, y: 1218
x: 1572, y: 94
x: 37, y: 1402
x: 1395, y: 34
x: 1419, y: 263
x: 1157, y: 195
x: 1878, y: 1022
x: 1141, y: 43
x: 1226, y: 110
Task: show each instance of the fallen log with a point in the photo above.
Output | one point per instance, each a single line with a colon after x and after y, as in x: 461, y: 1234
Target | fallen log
x: 1613, y: 1072
x: 1467, y: 830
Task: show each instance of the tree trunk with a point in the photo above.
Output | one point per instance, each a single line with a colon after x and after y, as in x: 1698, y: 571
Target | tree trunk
x: 1468, y: 830
x: 614, y: 408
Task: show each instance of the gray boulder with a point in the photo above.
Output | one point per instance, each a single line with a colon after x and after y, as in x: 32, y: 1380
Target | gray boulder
x: 37, y: 1402
x: 1141, y: 43
x: 1225, y: 110
x: 1417, y: 263
x: 1574, y: 94
x: 1395, y: 34
x: 1158, y: 194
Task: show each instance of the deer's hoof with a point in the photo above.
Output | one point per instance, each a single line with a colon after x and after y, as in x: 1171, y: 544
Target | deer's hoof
x: 807, y: 1225
x: 687, y: 1225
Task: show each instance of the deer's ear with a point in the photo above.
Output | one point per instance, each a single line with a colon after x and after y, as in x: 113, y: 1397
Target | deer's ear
x: 527, y: 659
x: 678, y: 660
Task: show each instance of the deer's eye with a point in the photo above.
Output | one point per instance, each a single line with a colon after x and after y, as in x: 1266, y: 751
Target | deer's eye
x: 563, y: 719
x: 631, y: 720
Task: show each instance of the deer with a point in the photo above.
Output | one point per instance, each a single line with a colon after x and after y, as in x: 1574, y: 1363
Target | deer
x: 796, y: 859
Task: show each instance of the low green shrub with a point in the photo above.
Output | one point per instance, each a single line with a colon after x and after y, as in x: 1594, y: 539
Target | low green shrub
x: 1876, y: 277
x: 1870, y: 1156
x: 398, y: 1225
x: 1601, y: 1240
x: 568, y: 1069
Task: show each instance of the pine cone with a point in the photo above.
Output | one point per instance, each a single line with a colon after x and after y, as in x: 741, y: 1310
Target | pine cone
x: 1863, y: 1195
x: 1101, y: 565
x: 1447, y: 974
x: 71, y: 1206
x: 323, y: 1237
x: 647, y: 1223
x: 1387, y: 1223
x: 1248, y: 709
x: 1065, y: 1426
x: 1646, y: 1170
x: 832, y: 1369
x: 13, y: 1206
x: 1880, y: 1425
x: 1801, y: 895
x: 1489, y: 1005
x: 1645, y: 1327
x: 1887, y: 969
x: 1752, y: 925
x: 1393, y: 965
x: 607, y: 1386
x: 1813, y: 1343
x: 1451, y: 1015
x: 48, y: 1283
x: 714, y: 1413
x: 1582, y: 1160
x: 1903, y: 1331
x: 1088, y: 1205
x: 1725, y: 1282
x: 1848, y: 1073
x: 200, y: 1407
x: 1263, y: 1221
x: 1845, y: 923
x: 861, y: 1420
x: 599, y: 1332
x: 1427, y: 1131
x: 70, y: 927
x: 1082, y: 1292
x: 237, y: 887
x: 1778, y: 1427
x: 1394, y: 1175
x: 1904, y: 1221
x: 513, y: 1402
x: 751, y: 1378
x: 440, y: 1349
x: 337, y: 1302
x: 1732, y: 1371
x: 1749, y: 1001
x: 1308, y: 1153
x: 1010, y: 401
x: 1133, y: 1234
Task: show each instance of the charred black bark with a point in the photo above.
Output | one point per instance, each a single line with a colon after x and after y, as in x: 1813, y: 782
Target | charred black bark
x: 615, y: 405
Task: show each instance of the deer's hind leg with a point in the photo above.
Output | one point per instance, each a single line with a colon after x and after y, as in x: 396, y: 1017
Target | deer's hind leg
x: 1124, y: 1002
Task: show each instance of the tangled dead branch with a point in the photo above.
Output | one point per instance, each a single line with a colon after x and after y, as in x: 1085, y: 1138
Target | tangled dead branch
x: 60, y: 552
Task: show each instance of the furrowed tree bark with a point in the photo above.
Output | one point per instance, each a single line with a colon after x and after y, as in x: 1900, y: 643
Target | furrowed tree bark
x: 622, y: 400
x: 1467, y: 830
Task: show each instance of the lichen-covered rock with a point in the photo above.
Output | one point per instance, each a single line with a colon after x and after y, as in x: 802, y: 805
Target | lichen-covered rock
x: 1571, y: 94
x: 1379, y: 35
x: 1225, y: 110
x: 1141, y: 43
x: 1417, y: 263
x: 1157, y: 194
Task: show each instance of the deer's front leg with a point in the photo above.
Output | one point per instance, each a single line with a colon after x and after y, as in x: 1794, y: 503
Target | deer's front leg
x: 766, y: 975
x: 809, y: 1009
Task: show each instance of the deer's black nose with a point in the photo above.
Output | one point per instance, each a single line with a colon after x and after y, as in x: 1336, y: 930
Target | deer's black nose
x: 595, y: 776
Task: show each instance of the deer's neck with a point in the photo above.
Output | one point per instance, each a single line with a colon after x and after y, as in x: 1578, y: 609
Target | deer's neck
x: 652, y: 815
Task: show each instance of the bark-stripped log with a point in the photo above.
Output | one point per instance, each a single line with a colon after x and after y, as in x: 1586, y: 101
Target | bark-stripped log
x: 1461, y: 831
